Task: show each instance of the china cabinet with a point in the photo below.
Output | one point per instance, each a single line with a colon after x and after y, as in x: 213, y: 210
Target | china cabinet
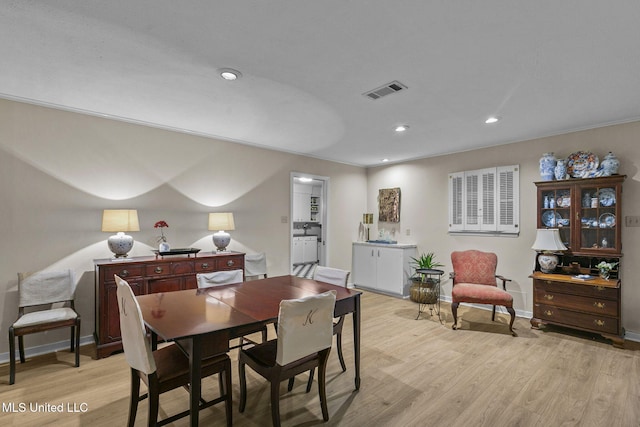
x: 587, y: 212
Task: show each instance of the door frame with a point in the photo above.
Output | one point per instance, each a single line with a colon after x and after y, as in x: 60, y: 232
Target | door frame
x: 323, y: 250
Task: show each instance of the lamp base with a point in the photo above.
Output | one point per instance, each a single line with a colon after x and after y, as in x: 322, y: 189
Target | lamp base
x: 548, y: 262
x: 120, y: 244
x: 221, y: 240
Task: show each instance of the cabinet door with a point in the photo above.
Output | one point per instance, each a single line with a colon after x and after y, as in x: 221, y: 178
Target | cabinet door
x: 310, y: 249
x: 599, y: 215
x: 109, y: 312
x: 301, y: 207
x: 390, y: 270
x: 556, y: 211
x: 364, y: 266
x: 298, y: 244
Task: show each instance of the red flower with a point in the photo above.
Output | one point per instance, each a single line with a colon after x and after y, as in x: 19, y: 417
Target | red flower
x: 160, y: 224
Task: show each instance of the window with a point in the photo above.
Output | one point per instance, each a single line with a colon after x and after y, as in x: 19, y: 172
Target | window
x: 485, y: 201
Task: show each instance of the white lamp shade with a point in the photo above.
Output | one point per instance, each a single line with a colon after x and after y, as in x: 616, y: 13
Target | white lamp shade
x: 115, y: 220
x: 118, y: 221
x: 548, y: 240
x: 221, y: 221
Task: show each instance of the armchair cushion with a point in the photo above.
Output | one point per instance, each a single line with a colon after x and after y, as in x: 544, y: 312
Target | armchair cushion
x: 481, y: 294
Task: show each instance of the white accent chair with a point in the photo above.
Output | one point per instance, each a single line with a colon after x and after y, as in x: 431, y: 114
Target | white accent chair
x: 164, y: 369
x: 305, y: 335
x: 38, y: 290
x: 255, y: 265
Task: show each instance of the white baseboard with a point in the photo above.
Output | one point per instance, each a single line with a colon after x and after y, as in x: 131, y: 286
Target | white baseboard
x: 46, y: 348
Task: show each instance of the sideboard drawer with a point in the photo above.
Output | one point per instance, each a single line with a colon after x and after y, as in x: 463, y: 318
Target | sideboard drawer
x: 124, y: 271
x: 233, y: 262
x: 593, y: 322
x: 600, y: 306
x: 576, y: 289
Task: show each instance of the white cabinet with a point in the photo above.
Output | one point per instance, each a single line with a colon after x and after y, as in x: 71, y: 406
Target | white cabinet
x: 310, y: 249
x: 383, y: 268
x: 301, y: 207
x: 305, y: 249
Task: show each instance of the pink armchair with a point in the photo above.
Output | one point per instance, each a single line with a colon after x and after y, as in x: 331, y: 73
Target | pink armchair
x: 474, y: 281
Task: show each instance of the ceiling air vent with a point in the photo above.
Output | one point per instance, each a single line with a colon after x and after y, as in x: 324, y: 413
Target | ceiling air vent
x: 388, y: 89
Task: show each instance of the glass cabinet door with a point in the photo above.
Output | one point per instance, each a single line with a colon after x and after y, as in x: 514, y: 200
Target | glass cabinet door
x: 598, y: 217
x: 555, y: 211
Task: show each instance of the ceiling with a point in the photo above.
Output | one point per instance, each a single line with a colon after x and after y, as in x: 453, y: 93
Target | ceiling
x: 544, y: 67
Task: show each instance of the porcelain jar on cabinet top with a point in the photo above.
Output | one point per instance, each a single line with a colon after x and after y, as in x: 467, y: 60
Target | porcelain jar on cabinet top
x: 547, y: 166
x: 610, y: 164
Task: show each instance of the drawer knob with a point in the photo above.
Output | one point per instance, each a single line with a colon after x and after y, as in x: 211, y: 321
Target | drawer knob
x: 549, y: 313
x: 599, y: 322
x: 598, y: 304
x: 158, y: 270
x: 124, y: 273
x: 548, y: 297
x: 205, y: 265
x: 230, y: 263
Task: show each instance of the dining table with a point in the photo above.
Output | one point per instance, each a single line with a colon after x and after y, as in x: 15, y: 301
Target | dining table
x: 203, y: 321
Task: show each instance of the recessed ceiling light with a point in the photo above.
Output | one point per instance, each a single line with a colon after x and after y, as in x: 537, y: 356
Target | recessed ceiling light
x: 492, y: 119
x: 229, y: 73
x: 385, y: 160
x: 401, y: 128
x: 305, y: 179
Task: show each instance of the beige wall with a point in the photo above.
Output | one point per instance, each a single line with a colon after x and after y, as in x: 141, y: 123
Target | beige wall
x: 424, y: 206
x: 59, y: 170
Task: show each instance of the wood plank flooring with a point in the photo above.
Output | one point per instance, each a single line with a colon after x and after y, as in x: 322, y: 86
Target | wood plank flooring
x: 414, y: 373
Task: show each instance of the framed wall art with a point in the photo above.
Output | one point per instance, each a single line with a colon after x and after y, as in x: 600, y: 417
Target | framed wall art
x: 389, y: 205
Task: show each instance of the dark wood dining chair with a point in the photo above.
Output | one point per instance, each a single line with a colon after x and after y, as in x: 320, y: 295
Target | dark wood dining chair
x: 36, y: 312
x: 164, y: 369
x: 475, y: 281
x: 305, y: 334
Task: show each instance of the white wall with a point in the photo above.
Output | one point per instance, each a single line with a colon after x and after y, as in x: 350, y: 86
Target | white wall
x: 59, y: 170
x: 423, y: 186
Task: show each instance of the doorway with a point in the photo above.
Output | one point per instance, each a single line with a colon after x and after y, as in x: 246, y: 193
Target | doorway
x: 308, y: 213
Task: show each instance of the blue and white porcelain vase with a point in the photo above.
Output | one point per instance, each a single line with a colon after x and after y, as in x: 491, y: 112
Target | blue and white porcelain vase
x: 164, y: 247
x: 610, y: 164
x: 560, y: 171
x: 547, y: 166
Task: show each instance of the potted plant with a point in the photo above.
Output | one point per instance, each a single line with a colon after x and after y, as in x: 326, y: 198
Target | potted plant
x: 423, y: 290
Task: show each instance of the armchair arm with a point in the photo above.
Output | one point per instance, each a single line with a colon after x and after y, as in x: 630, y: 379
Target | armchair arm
x: 504, y: 281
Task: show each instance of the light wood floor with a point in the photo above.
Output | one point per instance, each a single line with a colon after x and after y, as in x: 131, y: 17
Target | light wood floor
x: 414, y: 373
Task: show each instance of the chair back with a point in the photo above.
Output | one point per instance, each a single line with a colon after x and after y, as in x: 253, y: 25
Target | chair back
x: 218, y: 278
x: 334, y: 276
x: 46, y: 287
x: 255, y: 264
x: 475, y: 267
x: 305, y: 326
x: 137, y: 348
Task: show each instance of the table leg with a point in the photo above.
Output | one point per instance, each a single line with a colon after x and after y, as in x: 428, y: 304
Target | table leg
x: 356, y: 338
x: 195, y: 362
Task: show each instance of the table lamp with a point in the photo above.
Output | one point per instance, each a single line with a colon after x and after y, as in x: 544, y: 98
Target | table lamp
x: 221, y: 221
x: 547, y: 242
x: 367, y: 219
x: 120, y: 221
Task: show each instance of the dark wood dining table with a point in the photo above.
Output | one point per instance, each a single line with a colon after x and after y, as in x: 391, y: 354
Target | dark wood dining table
x: 202, y: 321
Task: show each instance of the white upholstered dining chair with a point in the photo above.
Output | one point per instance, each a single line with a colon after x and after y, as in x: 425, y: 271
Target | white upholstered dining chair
x: 255, y: 265
x: 164, y: 369
x: 305, y: 334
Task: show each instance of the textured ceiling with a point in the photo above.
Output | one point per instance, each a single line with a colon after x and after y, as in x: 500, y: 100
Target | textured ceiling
x: 545, y: 67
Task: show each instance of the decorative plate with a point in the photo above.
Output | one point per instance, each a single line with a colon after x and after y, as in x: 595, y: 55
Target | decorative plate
x: 582, y: 163
x: 607, y: 220
x: 607, y: 197
x: 563, y: 202
x: 550, y: 218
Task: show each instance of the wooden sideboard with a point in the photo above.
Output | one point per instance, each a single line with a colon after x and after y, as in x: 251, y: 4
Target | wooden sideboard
x: 148, y: 275
x: 591, y: 305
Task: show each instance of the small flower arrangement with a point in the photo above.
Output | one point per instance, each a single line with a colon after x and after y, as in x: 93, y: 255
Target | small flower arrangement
x: 161, y: 225
x: 605, y: 268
